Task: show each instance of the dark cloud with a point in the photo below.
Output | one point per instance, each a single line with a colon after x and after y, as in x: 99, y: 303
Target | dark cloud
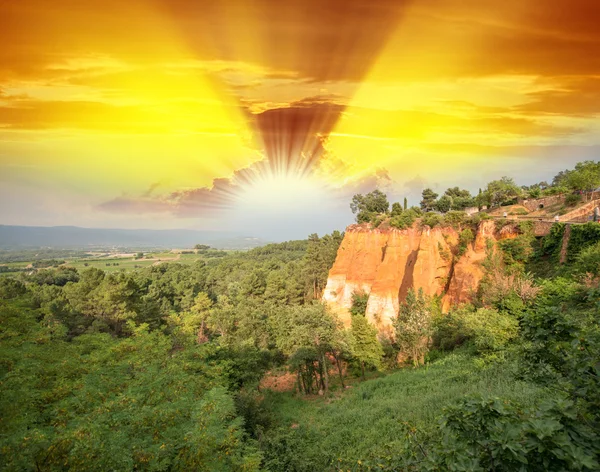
x: 292, y: 137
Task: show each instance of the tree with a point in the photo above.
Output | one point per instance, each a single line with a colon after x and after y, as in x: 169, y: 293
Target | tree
x: 405, y: 203
x: 365, y: 345
x: 306, y: 334
x: 585, y: 176
x: 320, y: 256
x: 501, y: 191
x: 11, y: 288
x: 461, y: 198
x: 428, y: 199
x: 443, y: 205
x: 359, y: 303
x: 413, y: 326
x: 396, y: 209
x: 201, y: 247
x: 193, y: 322
x: 366, y: 207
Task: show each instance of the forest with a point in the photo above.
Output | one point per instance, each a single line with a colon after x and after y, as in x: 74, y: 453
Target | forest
x: 167, y: 367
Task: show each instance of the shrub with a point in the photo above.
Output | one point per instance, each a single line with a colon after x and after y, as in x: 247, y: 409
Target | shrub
x: 455, y: 218
x: 405, y: 220
x: 588, y: 260
x: 377, y: 220
x: 517, y: 250
x: 359, y: 303
x: 572, y: 199
x: 464, y: 239
x: 431, y: 219
x: 582, y: 236
x: 487, y: 329
x: 365, y: 217
x: 501, y: 223
x: 519, y: 211
x: 483, y: 434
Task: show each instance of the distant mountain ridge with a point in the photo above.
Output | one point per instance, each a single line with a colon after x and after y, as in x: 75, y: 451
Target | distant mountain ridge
x: 78, y: 237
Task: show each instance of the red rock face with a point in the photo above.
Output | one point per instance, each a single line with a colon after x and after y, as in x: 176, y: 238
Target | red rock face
x: 387, y: 262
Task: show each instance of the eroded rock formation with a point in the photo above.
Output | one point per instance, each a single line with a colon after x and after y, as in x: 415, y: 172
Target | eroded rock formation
x: 386, y: 262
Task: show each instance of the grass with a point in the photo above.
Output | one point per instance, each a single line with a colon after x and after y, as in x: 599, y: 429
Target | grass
x: 369, y: 419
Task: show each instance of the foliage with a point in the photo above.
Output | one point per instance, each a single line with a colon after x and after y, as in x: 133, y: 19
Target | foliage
x: 376, y: 424
x: 366, y: 207
x: 588, y: 260
x: 572, y: 199
x: 516, y: 250
x: 465, y: 238
x: 11, y: 288
x: 552, y: 242
x: 366, y: 349
x: 404, y: 220
x: 482, y: 434
x: 508, y: 289
x: 486, y: 329
x: 428, y: 199
x: 359, y: 303
x: 585, y: 176
x: 413, y: 326
x: 396, y: 209
x: 101, y: 403
x: 562, y: 343
x: 444, y: 204
x: 582, y: 236
x: 500, y: 191
x: 455, y: 218
x: 460, y: 198
x: 432, y: 219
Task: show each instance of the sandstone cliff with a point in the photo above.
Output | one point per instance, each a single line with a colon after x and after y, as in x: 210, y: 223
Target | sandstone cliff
x: 386, y: 262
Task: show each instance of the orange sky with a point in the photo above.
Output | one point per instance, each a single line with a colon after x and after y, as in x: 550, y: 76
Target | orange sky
x: 243, y: 114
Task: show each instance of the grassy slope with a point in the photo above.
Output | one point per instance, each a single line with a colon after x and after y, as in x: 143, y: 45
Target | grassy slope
x: 369, y: 420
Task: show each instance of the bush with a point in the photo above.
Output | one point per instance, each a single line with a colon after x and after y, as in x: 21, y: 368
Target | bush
x: 455, y: 218
x: 359, y: 303
x: 377, y: 220
x: 464, y: 239
x: 517, y: 250
x: 588, y: 260
x: 519, y: 212
x: 405, y: 220
x: 572, y: 199
x: 482, y: 434
x: 486, y: 329
x: 431, y: 219
x: 365, y: 217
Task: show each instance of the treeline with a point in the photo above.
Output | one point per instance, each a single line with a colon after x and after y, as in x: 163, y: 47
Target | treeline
x: 374, y: 207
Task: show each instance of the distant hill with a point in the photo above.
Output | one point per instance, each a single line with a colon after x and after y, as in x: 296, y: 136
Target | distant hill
x: 76, y: 237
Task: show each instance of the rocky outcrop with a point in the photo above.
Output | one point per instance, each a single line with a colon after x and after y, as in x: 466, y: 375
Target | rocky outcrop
x: 386, y: 262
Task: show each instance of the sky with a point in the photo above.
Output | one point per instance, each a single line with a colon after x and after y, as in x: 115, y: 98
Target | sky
x: 264, y: 117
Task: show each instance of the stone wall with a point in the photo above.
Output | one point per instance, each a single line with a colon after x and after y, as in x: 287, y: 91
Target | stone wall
x: 533, y: 205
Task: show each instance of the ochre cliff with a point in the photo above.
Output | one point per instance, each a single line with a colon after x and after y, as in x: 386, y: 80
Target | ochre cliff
x: 386, y: 262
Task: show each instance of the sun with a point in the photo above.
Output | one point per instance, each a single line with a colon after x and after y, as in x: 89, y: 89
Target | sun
x: 281, y: 193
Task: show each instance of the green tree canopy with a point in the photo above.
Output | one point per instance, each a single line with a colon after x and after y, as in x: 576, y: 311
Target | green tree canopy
x: 501, y: 191
x: 367, y: 206
x: 428, y: 199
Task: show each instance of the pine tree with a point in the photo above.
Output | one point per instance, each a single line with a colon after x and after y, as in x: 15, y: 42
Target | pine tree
x: 365, y: 346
